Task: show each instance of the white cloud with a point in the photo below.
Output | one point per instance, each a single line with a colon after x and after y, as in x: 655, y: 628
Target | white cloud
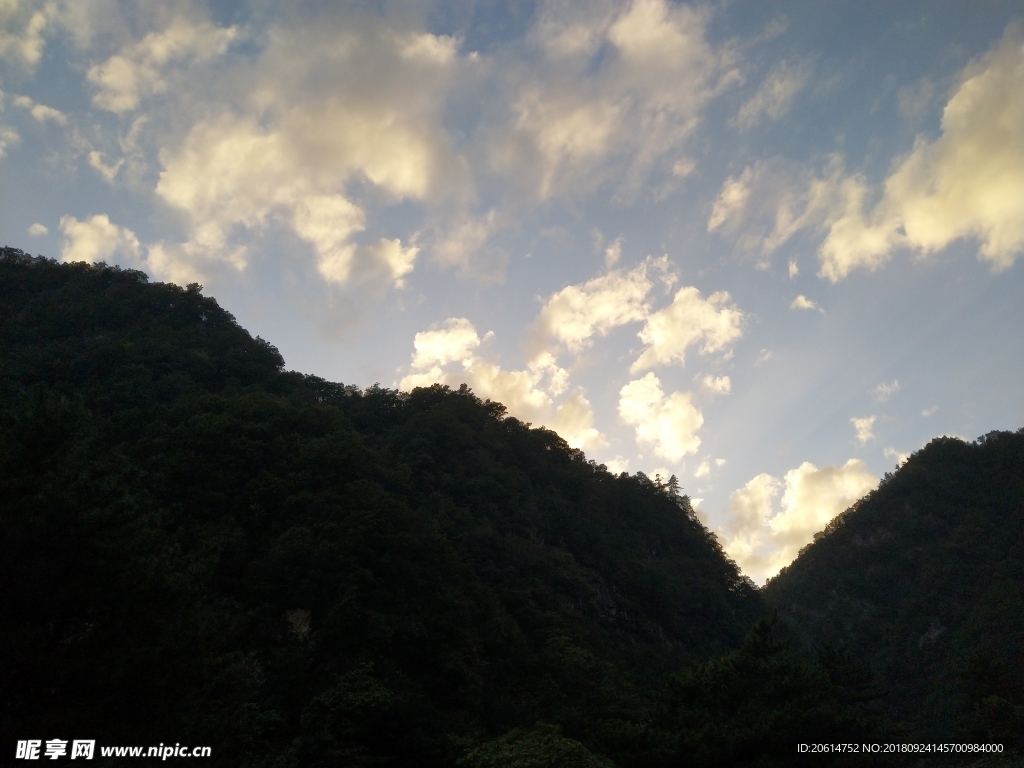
x: 716, y: 385
x: 141, y: 68
x: 456, y: 341
x: 575, y: 314
x: 864, y: 427
x: 529, y: 395
x: 464, y: 245
x: 612, y: 253
x: 719, y: 462
x: 713, y: 323
x: 97, y: 239
x: 968, y: 182
x: 762, y: 538
x: 732, y: 200
x: 21, y: 32
x: 703, y: 469
x: 40, y: 112
x: 616, y: 93
x: 618, y: 465
x: 892, y: 453
x: 668, y: 425
x: 37, y: 230
x: 794, y: 269
x: 315, y: 133
x: 885, y: 390
x: 8, y: 136
x: 929, y: 411
x: 802, y: 302
x: 106, y: 170
x: 776, y: 94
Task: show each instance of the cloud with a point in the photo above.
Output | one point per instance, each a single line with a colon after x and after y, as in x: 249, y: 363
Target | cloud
x: 40, y: 112
x: 703, y: 469
x: 762, y: 537
x: 732, y: 200
x: 316, y: 132
x: 776, y: 94
x: 97, y: 239
x: 37, y: 230
x: 716, y: 385
x: 233, y: 173
x: 141, y: 68
x: 968, y: 182
x: 8, y: 136
x: 929, y: 411
x: 21, y: 32
x: 668, y: 425
x: 794, y: 269
x: 713, y: 323
x: 447, y: 355
x: 464, y: 244
x: 612, y: 253
x: 618, y: 465
x: 577, y: 313
x: 456, y: 341
x: 106, y: 170
x: 886, y: 390
x: 616, y: 92
x: 964, y: 183
x: 864, y: 427
x: 802, y: 302
x: 900, y: 456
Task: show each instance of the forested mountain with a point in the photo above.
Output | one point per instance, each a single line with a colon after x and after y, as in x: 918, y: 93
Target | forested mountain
x: 201, y: 547
x: 923, y: 580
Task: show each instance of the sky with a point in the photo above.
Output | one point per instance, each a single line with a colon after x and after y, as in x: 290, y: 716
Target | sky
x: 771, y: 248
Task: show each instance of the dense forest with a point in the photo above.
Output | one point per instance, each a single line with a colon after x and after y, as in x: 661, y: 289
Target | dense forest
x: 202, y: 547
x: 923, y: 579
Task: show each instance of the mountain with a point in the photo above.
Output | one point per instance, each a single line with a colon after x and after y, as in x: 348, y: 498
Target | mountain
x: 923, y: 580
x: 199, y: 547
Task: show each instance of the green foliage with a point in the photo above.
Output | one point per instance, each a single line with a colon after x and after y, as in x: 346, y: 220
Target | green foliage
x: 542, y: 746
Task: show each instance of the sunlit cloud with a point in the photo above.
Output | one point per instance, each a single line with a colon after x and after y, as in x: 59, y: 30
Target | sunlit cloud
x: 715, y: 385
x: 899, y: 456
x: 666, y: 424
x: 763, y: 537
x: 864, y: 428
x: 448, y: 355
x: 690, y: 320
x: 97, y: 239
x: 40, y: 112
x: 802, y: 302
x: 885, y: 390
x: 573, y: 316
x: 776, y: 95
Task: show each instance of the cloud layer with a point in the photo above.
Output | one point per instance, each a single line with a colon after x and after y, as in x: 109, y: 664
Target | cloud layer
x: 762, y: 536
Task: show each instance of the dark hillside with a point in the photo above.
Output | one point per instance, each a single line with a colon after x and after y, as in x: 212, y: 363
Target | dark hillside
x: 924, y: 580
x: 199, y: 547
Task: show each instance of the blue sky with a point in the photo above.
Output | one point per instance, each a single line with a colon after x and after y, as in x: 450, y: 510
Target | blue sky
x: 771, y: 248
